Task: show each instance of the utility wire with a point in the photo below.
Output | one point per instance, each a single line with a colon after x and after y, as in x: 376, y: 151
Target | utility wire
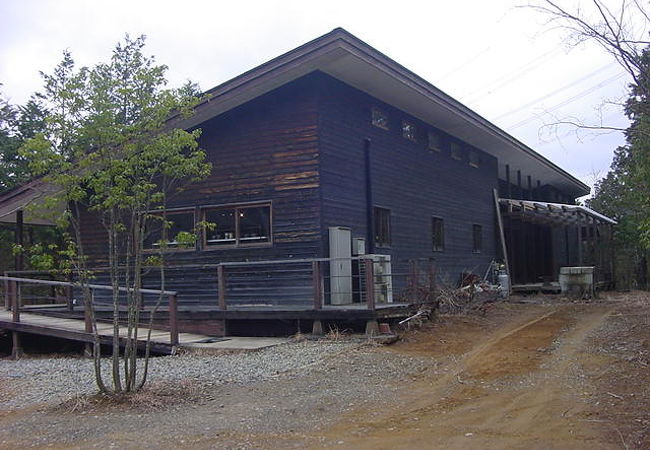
x: 569, y: 100
x: 557, y: 91
x: 504, y: 80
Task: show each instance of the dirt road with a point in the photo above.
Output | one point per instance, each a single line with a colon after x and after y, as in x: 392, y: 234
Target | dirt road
x: 544, y: 375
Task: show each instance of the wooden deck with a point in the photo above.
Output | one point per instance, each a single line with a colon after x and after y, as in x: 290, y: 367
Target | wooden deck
x: 74, y: 329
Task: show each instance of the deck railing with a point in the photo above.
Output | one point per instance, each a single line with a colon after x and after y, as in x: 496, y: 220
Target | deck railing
x: 13, y: 299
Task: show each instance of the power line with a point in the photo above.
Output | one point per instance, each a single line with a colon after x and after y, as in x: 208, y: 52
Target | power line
x: 569, y: 100
x: 506, y: 79
x: 557, y: 91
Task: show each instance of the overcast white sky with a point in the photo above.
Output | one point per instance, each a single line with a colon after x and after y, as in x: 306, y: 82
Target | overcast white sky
x: 500, y: 60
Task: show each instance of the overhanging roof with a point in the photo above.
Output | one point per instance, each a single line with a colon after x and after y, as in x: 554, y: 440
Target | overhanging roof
x: 27, y: 198
x: 347, y: 58
x: 553, y: 214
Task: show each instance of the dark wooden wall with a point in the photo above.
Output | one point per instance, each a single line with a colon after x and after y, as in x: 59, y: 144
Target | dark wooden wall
x: 415, y: 183
x: 265, y: 150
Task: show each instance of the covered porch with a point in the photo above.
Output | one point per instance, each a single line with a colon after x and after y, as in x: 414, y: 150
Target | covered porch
x: 540, y: 237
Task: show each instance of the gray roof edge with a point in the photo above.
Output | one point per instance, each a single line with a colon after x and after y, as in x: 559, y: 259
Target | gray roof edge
x: 340, y: 35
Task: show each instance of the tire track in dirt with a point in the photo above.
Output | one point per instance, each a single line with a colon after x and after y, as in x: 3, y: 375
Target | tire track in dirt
x: 508, y: 391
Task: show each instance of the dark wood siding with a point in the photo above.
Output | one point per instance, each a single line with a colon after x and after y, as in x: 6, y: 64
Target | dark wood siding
x: 408, y: 178
x: 265, y: 150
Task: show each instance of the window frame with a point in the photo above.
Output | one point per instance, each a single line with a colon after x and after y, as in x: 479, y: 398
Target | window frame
x: 382, y: 243
x: 407, y: 125
x: 375, y: 111
x: 435, y: 248
x: 167, y: 213
x: 431, y: 137
x: 456, y: 151
x: 474, y: 159
x: 477, y: 244
x: 237, y: 240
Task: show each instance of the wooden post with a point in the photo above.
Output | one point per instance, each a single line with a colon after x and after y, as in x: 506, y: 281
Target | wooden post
x: 15, y: 301
x: 221, y: 282
x: 69, y: 298
x: 7, y: 295
x: 16, y: 348
x: 19, y: 239
x: 530, y: 188
x: 88, y: 349
x: 316, y: 281
x: 370, y: 283
x: 502, y: 236
x: 173, y: 320
x: 508, y: 181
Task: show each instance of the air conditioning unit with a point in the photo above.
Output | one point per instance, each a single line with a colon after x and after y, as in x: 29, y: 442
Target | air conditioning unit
x: 383, y: 277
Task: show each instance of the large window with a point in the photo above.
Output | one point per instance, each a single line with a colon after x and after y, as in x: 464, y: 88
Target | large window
x: 437, y: 234
x: 477, y: 233
x: 382, y: 227
x: 177, y: 226
x: 237, y: 225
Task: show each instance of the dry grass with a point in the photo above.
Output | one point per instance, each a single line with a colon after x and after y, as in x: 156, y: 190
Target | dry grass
x: 153, y: 396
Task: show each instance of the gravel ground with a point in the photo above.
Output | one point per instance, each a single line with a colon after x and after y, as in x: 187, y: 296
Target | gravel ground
x: 283, y: 392
x: 54, y: 380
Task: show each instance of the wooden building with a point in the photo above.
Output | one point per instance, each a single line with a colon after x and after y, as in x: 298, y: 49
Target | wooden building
x: 336, y: 134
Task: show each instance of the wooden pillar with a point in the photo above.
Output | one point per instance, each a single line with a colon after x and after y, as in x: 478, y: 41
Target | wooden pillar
x: 317, y: 325
x: 88, y: 323
x: 520, y: 192
x: 7, y: 294
x: 538, y: 194
x: 579, y: 234
x: 508, y: 181
x: 16, y: 347
x: 173, y: 320
x: 19, y: 239
x: 530, y: 188
x: 221, y: 286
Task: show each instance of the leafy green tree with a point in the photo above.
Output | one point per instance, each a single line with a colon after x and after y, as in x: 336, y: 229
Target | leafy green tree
x: 110, y: 150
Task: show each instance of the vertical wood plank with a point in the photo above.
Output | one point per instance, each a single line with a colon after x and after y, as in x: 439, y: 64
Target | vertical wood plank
x: 221, y: 281
x: 15, y: 306
x: 316, y: 280
x: 173, y: 320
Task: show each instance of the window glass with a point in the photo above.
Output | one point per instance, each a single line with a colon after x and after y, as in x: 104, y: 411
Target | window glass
x: 382, y: 227
x: 239, y: 225
x: 379, y: 118
x: 435, y: 141
x: 456, y: 151
x: 474, y: 159
x: 408, y: 130
x: 180, y: 230
x: 254, y: 224
x: 222, y: 228
x: 477, y: 231
x: 437, y: 234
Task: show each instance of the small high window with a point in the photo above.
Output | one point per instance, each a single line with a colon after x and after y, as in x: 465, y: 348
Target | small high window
x: 438, y: 234
x: 379, y: 118
x: 177, y: 226
x: 477, y: 234
x: 456, y: 151
x: 435, y: 141
x: 382, y: 227
x: 474, y: 159
x: 408, y: 130
x: 238, y: 225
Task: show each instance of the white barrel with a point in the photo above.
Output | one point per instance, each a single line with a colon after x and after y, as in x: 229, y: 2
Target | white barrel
x: 504, y: 283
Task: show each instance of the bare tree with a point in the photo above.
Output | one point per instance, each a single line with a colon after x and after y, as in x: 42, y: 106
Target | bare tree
x: 622, y: 32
